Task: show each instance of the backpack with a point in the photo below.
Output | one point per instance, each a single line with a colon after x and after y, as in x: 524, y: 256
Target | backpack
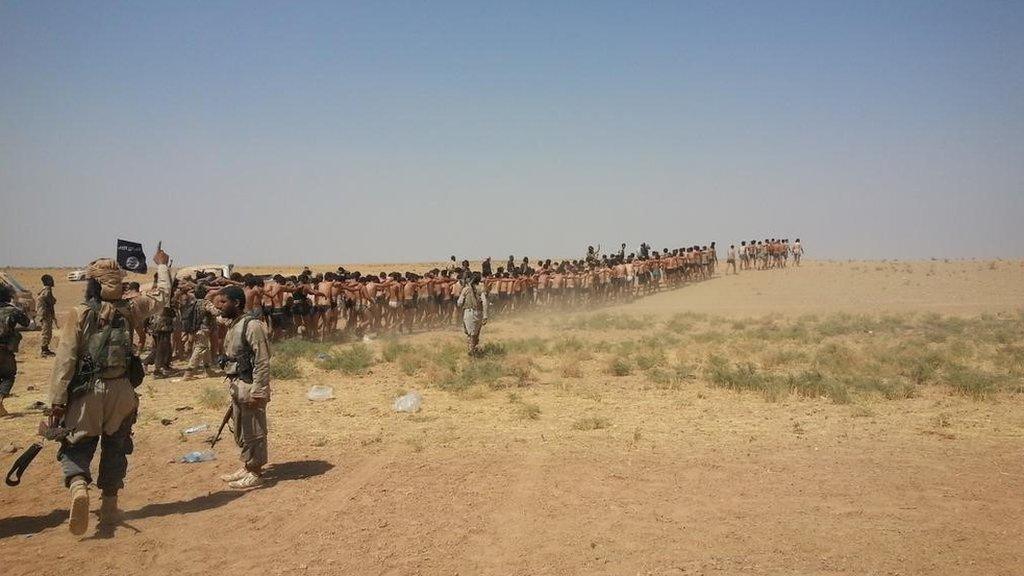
x: 106, y: 351
x: 192, y: 317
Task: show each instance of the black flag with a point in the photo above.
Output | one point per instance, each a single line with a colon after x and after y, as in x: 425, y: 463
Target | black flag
x: 130, y: 256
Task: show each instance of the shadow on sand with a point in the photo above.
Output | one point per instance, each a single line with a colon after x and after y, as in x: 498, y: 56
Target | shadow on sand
x: 26, y: 525
x: 283, y: 472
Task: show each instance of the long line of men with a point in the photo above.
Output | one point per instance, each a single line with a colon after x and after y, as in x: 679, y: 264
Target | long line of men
x: 348, y: 304
x: 95, y: 371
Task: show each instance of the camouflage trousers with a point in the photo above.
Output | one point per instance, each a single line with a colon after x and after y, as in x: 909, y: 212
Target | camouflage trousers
x: 45, y: 330
x: 201, y: 357
x: 250, y: 426
x: 8, y: 370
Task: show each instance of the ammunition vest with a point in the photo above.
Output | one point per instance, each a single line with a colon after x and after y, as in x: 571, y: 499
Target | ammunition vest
x: 472, y: 300
x: 108, y: 343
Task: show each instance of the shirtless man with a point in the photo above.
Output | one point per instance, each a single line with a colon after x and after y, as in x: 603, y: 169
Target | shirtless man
x: 327, y: 305
x: 409, y: 302
x: 274, y: 292
x: 557, y: 281
x: 426, y: 300
x: 619, y: 279
x: 606, y: 273
x: 393, y: 314
x: 447, y: 306
x: 630, y: 277
x: 253, y: 288
x: 454, y: 289
x: 301, y: 307
x: 374, y: 294
x: 542, y: 279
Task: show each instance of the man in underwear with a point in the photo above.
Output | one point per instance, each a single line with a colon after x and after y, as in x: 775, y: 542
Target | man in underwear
x: 330, y: 288
x: 374, y: 291
x: 275, y: 291
x: 447, y: 304
x: 630, y: 277
x: 409, y: 302
x: 393, y: 317
x: 619, y: 279
x: 557, y: 280
x: 542, y: 280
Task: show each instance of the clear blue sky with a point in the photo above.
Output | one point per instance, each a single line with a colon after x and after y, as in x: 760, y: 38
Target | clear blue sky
x: 377, y: 131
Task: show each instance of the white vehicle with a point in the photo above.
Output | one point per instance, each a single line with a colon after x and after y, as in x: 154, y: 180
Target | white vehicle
x: 220, y: 270
x: 76, y: 276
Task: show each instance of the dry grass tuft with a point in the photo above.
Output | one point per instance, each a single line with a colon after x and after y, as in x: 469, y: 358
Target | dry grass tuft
x: 212, y: 397
x: 591, y: 423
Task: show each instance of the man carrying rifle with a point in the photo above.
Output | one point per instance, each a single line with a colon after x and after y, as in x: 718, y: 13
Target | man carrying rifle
x: 45, y: 315
x: 246, y: 363
x: 92, y: 386
x: 10, y: 318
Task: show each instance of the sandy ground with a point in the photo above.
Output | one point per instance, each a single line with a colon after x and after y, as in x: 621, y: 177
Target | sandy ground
x: 691, y: 480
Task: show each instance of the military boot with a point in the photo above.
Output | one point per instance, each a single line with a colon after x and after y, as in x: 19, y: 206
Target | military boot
x: 235, y: 476
x: 79, y: 521
x: 109, y: 514
x: 249, y: 481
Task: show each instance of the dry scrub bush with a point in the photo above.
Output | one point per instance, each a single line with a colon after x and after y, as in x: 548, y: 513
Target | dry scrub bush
x: 353, y: 360
x: 284, y: 368
x: 212, y: 397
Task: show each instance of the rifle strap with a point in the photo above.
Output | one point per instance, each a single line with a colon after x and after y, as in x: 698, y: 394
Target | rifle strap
x: 21, y: 464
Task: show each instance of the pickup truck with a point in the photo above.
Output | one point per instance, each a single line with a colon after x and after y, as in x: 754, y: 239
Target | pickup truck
x: 220, y: 270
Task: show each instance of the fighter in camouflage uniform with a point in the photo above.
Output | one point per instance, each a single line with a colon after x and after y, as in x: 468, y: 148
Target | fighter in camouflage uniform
x: 246, y: 365
x: 95, y: 356
x: 473, y: 301
x: 45, y: 315
x: 10, y: 318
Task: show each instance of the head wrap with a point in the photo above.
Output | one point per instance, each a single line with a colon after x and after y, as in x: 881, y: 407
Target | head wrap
x: 109, y: 275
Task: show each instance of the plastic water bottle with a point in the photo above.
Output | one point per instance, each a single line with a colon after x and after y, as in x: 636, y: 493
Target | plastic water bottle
x: 193, y: 457
x: 196, y: 429
x: 411, y: 402
x: 320, y: 393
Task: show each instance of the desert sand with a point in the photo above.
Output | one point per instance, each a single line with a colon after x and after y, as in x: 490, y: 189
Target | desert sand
x: 837, y: 418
